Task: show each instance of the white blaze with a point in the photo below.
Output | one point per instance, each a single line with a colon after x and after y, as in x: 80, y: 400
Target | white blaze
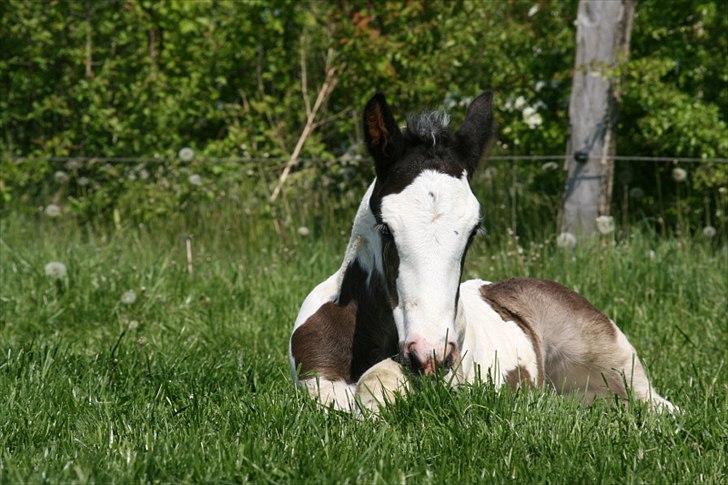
x: 431, y: 221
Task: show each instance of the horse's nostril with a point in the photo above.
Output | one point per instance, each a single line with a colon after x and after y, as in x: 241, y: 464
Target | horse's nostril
x: 411, y: 348
x: 424, y: 358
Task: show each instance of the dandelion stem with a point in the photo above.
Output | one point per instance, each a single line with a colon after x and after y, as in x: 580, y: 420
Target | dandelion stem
x: 188, y: 245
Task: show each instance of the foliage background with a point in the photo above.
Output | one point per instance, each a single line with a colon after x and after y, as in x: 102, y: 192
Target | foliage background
x: 136, y: 78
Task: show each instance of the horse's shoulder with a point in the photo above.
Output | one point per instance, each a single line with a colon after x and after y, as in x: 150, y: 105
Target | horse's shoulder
x: 325, y: 292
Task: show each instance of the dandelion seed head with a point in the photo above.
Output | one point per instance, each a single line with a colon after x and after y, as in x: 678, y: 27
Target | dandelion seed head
x: 186, y: 154
x: 129, y: 297
x: 52, y: 210
x: 605, y: 224
x: 679, y: 174
x: 55, y: 270
x: 566, y: 240
x: 195, y: 179
x: 73, y: 165
x: 709, y: 232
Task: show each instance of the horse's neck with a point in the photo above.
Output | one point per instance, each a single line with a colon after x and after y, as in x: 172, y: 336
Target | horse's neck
x: 362, y: 283
x: 364, y: 244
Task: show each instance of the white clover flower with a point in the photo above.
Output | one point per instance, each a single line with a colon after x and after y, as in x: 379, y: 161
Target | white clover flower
x: 186, y: 154
x: 52, y: 210
x: 304, y: 231
x: 605, y: 224
x: 195, y: 179
x: 540, y: 85
x: 566, y: 240
x: 636, y: 193
x: 531, y: 117
x: 61, y: 177
x: 133, y: 325
x: 533, y: 10
x: 129, y: 297
x: 722, y: 190
x: 651, y: 254
x: 549, y: 166
x: 55, y: 270
x: 709, y: 232
x: 679, y: 174
x: 520, y: 102
x: 83, y: 181
x: 143, y: 174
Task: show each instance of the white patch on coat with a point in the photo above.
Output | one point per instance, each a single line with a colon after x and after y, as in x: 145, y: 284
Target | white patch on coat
x: 431, y: 221
x: 490, y: 346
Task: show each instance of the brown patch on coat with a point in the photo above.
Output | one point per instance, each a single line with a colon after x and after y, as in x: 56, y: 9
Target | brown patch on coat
x: 345, y: 338
x: 518, y: 377
x: 544, y: 310
x: 322, y: 346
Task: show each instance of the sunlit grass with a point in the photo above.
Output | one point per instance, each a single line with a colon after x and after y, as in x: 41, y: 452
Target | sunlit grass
x: 190, y: 380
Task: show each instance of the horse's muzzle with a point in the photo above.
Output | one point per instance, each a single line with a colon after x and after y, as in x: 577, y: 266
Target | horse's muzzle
x: 425, y: 359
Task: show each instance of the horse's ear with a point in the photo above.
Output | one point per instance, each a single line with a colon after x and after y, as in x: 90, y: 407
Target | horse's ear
x: 477, y: 130
x: 384, y: 140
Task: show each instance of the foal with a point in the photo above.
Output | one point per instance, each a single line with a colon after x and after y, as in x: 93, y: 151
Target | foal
x: 398, y: 294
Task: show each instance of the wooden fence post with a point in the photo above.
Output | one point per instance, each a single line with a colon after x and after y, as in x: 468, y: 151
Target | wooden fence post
x: 603, y: 30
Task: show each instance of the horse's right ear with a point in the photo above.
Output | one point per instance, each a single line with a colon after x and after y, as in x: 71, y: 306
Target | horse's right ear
x: 477, y: 131
x: 384, y: 140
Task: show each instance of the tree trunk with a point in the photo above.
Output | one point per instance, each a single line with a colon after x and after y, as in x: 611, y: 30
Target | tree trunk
x: 603, y: 31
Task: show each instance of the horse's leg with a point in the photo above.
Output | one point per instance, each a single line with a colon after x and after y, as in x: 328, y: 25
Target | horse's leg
x: 329, y: 393
x: 321, y: 353
x: 380, y: 384
x: 609, y: 367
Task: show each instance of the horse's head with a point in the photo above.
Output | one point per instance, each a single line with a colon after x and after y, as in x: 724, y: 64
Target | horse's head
x: 427, y: 216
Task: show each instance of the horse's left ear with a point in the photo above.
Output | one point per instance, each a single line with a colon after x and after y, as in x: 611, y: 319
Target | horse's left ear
x: 477, y: 130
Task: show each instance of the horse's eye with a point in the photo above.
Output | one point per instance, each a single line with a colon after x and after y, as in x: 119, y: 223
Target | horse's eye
x: 383, y: 229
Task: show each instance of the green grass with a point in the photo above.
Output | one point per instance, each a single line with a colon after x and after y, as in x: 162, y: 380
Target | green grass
x: 191, y: 381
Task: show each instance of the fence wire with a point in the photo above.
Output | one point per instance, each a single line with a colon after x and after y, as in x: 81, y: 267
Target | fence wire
x: 257, y: 160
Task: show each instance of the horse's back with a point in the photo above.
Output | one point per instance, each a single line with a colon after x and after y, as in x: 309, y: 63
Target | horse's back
x: 565, y: 323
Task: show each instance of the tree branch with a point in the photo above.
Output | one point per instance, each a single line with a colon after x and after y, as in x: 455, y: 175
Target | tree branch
x: 324, y: 92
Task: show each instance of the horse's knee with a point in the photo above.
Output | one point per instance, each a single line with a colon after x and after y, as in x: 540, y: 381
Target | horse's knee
x: 380, y: 384
x: 328, y: 393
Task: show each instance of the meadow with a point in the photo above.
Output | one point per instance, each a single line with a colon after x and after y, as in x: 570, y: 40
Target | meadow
x: 131, y: 368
